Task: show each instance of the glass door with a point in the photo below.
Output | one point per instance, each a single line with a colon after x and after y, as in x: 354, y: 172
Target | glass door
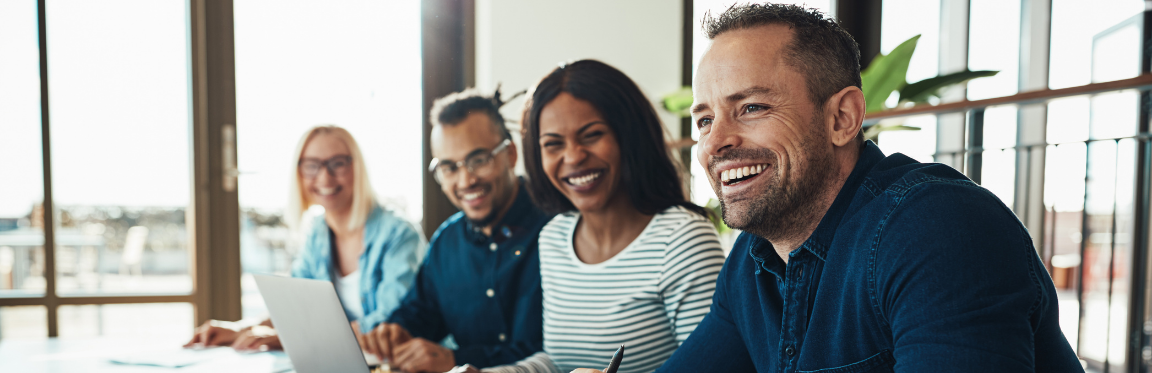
x: 110, y: 225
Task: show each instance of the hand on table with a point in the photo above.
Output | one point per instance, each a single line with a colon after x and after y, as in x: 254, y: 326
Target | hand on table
x: 256, y: 339
x: 422, y: 355
x: 383, y: 339
x: 213, y: 333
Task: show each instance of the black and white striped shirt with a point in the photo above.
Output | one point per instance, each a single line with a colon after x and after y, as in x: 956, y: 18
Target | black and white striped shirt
x: 650, y: 296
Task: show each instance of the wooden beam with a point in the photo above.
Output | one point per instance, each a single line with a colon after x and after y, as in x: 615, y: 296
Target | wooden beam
x: 214, y: 219
x: 447, y: 62
x: 1140, y: 82
x: 48, y: 207
x: 861, y: 18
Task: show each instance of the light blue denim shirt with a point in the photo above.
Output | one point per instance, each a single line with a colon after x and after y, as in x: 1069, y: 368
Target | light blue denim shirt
x: 392, y: 255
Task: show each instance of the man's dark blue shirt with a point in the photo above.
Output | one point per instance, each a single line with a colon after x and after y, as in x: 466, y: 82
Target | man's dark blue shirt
x: 914, y: 268
x: 483, y: 290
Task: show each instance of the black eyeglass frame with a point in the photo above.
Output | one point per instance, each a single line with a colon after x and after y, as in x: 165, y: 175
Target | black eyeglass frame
x: 326, y: 164
x: 457, y: 165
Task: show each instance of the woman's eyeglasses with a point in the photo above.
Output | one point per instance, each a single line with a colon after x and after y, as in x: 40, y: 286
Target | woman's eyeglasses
x: 477, y: 164
x: 337, y: 166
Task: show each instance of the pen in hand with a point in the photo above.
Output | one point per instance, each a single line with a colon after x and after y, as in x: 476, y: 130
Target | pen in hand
x: 616, y: 359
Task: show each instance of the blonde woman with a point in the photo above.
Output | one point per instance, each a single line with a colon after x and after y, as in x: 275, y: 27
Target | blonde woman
x: 369, y: 254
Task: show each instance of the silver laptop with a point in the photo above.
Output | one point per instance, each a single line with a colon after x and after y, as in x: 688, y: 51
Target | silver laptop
x: 312, y: 325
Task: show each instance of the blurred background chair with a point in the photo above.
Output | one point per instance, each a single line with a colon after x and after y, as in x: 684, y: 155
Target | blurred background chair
x: 133, y: 250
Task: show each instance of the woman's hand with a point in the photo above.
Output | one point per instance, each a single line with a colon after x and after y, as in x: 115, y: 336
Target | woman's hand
x: 586, y: 370
x: 256, y: 339
x: 213, y: 333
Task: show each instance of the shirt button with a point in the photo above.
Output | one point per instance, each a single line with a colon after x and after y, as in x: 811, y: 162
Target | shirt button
x: 492, y: 246
x: 502, y: 337
x: 790, y: 351
x: 491, y: 293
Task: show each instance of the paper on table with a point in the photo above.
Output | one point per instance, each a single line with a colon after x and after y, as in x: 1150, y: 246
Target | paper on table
x: 371, y: 359
x: 175, y: 358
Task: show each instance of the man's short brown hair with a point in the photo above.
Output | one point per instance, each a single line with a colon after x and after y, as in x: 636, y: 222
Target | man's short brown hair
x: 823, y: 52
x: 453, y: 108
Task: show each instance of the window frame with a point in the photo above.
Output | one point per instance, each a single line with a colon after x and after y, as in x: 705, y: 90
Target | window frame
x: 213, y: 214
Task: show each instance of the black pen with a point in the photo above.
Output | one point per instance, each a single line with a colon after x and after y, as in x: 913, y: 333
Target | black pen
x: 616, y: 358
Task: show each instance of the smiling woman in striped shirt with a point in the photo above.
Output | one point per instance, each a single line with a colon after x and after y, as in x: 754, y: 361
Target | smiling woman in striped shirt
x: 629, y: 260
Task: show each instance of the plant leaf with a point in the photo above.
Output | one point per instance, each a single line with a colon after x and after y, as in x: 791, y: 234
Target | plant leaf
x: 886, y: 74
x: 717, y: 219
x: 679, y: 102
x: 919, y: 92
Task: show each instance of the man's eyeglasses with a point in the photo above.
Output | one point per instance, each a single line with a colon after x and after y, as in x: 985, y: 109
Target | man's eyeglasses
x: 478, y: 164
x: 337, y: 166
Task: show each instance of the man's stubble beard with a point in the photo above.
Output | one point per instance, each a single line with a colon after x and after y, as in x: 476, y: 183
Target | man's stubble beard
x: 783, y: 210
x: 498, y: 203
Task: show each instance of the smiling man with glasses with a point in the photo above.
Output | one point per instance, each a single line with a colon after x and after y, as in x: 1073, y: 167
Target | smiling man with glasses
x: 480, y: 282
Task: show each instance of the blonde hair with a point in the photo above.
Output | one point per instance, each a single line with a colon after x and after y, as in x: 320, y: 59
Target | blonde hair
x: 363, y: 199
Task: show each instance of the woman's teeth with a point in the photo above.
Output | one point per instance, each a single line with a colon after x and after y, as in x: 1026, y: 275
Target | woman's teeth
x: 325, y: 191
x: 739, y: 173
x: 583, y: 180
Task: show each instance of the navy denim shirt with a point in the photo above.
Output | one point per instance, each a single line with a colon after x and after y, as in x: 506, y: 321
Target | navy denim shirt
x: 914, y: 268
x: 484, y: 291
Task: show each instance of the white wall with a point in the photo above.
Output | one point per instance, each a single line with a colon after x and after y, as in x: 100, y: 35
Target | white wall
x: 519, y: 41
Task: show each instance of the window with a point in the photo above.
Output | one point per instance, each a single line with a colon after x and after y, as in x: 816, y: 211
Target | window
x: 994, y: 44
x: 900, y: 21
x: 113, y: 228
x: 303, y: 64
x: 120, y: 161
x: 1093, y: 211
x: 23, y: 322
x: 1074, y: 25
x: 21, y: 222
x: 1082, y: 208
x: 129, y: 155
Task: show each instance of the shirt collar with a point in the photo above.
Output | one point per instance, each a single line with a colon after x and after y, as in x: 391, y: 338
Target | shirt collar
x: 761, y: 250
x: 521, y: 214
x: 371, y: 225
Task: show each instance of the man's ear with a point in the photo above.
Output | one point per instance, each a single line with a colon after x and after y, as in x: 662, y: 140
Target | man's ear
x: 513, y: 154
x: 844, y: 115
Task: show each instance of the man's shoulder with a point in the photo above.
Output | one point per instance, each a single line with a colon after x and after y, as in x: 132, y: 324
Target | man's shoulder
x: 928, y: 215
x: 448, y: 230
x: 935, y: 188
x: 900, y: 203
x: 898, y: 174
x: 739, y: 259
x: 899, y: 185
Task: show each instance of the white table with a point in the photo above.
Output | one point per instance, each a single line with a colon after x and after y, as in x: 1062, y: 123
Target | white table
x: 94, y: 355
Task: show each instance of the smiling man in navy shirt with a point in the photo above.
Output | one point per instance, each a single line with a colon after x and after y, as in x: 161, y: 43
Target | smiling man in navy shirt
x: 850, y: 261
x: 481, y: 280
